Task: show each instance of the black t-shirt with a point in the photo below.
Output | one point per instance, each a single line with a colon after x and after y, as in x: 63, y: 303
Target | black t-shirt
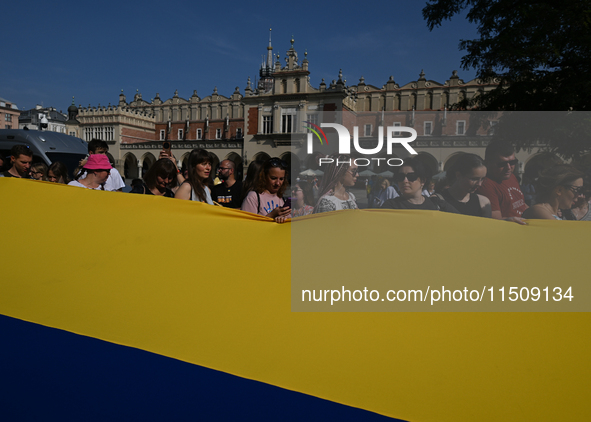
x: 430, y: 204
x: 227, y: 196
x: 472, y: 207
x: 145, y: 190
x: 7, y: 174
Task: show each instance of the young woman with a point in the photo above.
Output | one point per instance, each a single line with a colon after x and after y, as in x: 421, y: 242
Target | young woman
x: 197, y: 185
x: 267, y: 196
x: 411, y: 179
x: 97, y: 169
x: 333, y: 191
x: 38, y: 171
x: 465, y: 176
x: 58, y: 173
x: 302, y: 198
x: 557, y: 188
x: 158, y: 179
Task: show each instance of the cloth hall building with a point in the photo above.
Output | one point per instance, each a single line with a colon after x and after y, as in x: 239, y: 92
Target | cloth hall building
x: 267, y: 120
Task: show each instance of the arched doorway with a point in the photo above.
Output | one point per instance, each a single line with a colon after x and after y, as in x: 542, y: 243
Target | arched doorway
x: 147, y: 160
x: 430, y: 163
x: 237, y: 160
x: 261, y: 156
x: 130, y: 167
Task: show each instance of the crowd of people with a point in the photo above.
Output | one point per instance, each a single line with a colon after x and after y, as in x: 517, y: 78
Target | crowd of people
x: 474, y: 186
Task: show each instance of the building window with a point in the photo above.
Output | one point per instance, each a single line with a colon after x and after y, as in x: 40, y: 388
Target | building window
x: 218, y: 134
x: 267, y: 124
x: 162, y: 131
x: 288, y: 120
x: 198, y: 133
x: 72, y: 133
x: 428, y: 128
x: 461, y: 127
x: 8, y: 117
x: 109, y: 133
x: 239, y: 133
x: 312, y: 118
x: 367, y: 130
x: 180, y: 134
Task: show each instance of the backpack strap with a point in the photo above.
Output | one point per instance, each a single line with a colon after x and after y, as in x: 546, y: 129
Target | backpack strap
x: 259, y: 201
x: 436, y: 199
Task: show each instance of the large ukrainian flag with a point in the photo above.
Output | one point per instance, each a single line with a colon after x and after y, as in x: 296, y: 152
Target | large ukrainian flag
x: 131, y: 307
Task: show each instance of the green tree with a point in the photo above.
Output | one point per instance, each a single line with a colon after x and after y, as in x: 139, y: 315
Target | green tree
x: 539, y: 54
x: 538, y: 51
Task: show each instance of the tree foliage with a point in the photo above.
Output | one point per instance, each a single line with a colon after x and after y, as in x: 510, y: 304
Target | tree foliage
x: 539, y: 54
x: 539, y: 51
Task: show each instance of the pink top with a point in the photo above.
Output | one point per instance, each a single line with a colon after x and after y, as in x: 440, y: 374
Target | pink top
x: 268, y: 203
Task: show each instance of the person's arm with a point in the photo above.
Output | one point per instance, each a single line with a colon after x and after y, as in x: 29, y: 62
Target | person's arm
x: 487, y: 190
x: 538, y: 213
x: 485, y: 206
x: 184, y: 192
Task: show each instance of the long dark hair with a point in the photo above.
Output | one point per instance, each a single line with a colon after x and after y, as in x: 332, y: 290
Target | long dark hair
x: 261, y: 183
x: 251, y: 176
x: 306, y: 188
x: 334, y: 173
x: 163, y: 168
x: 199, y: 156
x: 463, y: 164
x: 560, y: 175
x: 60, y: 170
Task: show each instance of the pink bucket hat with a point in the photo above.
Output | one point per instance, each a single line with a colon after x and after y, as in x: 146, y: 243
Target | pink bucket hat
x: 98, y: 162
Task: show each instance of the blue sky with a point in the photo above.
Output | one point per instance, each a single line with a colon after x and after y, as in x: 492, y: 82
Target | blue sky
x: 92, y: 50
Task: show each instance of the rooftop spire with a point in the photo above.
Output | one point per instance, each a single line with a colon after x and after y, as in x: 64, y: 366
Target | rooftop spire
x: 270, y: 52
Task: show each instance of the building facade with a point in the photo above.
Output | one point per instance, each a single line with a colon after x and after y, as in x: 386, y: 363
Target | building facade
x: 9, y: 114
x: 32, y: 119
x: 270, y: 119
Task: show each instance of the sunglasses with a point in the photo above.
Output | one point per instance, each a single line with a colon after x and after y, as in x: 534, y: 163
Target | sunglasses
x: 354, y: 172
x: 577, y: 190
x: 511, y: 163
x: 277, y: 162
x: 411, y: 177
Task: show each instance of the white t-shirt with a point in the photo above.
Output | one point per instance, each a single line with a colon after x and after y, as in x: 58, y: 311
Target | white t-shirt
x: 114, y: 182
x: 80, y: 185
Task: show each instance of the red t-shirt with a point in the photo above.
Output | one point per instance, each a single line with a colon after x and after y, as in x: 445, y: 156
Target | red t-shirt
x: 505, y: 196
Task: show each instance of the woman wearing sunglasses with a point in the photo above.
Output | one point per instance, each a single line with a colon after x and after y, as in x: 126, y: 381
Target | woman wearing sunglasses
x: 557, y: 189
x: 411, y: 179
x: 337, y: 179
x: 465, y: 176
x: 97, y: 169
x: 267, y: 196
x: 196, y: 187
